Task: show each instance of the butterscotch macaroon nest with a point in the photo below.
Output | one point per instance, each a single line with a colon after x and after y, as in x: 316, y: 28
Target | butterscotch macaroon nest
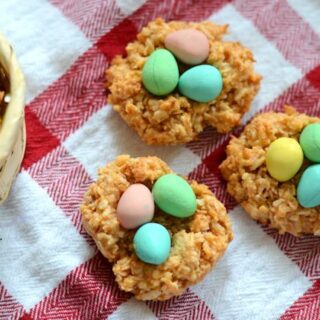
x: 197, y: 242
x: 174, y: 119
x: 267, y: 200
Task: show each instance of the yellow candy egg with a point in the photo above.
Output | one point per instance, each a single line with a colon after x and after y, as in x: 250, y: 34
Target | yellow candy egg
x: 284, y: 158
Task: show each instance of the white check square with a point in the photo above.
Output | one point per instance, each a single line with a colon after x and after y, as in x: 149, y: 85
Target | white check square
x: 105, y: 136
x: 39, y: 245
x: 278, y: 73
x: 133, y: 309
x: 45, y: 41
x: 255, y: 279
x: 309, y: 11
x: 129, y: 6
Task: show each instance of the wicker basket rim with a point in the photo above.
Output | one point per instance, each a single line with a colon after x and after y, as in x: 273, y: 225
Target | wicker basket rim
x: 14, y: 113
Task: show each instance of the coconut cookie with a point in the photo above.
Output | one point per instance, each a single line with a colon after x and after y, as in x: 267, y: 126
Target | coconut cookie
x: 161, y: 232
x: 273, y: 171
x: 180, y: 77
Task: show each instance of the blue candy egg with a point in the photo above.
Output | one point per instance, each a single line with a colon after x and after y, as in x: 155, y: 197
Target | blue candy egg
x: 152, y: 243
x: 308, y: 191
x: 201, y: 83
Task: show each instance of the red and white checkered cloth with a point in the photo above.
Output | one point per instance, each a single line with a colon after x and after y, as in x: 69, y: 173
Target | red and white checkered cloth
x: 49, y: 266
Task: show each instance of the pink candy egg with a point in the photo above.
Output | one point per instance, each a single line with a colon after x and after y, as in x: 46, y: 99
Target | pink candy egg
x: 188, y: 45
x: 135, y: 207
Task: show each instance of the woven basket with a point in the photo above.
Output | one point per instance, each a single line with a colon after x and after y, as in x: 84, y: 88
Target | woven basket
x: 12, y: 130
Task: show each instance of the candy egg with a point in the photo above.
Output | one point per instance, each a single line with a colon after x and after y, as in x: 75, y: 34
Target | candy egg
x: 152, y: 243
x: 135, y: 207
x: 308, y: 191
x: 188, y: 45
x: 310, y: 142
x: 160, y: 74
x: 174, y: 196
x: 201, y: 83
x: 284, y: 158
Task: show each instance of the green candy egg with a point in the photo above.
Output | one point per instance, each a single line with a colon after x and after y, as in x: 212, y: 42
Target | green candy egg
x: 152, y: 243
x: 201, y: 83
x: 308, y: 191
x: 310, y: 142
x: 160, y: 74
x: 174, y: 196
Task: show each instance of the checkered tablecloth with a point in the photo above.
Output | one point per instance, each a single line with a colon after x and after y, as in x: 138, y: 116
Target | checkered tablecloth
x: 49, y: 266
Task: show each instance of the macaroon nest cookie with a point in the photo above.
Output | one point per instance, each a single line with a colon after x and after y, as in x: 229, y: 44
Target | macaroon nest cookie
x: 197, y: 242
x: 271, y: 202
x: 174, y: 118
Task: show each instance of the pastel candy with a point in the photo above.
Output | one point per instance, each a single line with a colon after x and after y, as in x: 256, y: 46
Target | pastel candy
x: 188, y: 45
x: 310, y: 142
x: 174, y: 196
x: 152, y: 243
x: 201, y: 83
x: 308, y: 191
x: 284, y: 158
x: 160, y: 74
x: 135, y: 207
